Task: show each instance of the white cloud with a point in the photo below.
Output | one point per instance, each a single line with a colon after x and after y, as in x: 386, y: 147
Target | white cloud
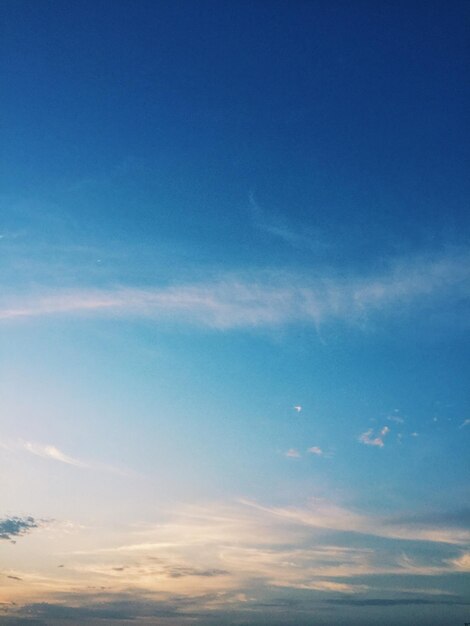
x: 51, y: 452
x: 322, y: 513
x: 292, y: 453
x: 369, y: 439
x: 462, y: 563
x: 315, y: 450
x: 324, y: 585
x: 264, y: 299
x: 47, y: 451
x: 465, y: 423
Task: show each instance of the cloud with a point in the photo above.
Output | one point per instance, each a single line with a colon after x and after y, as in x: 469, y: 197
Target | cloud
x: 369, y: 439
x: 209, y: 609
x: 465, y: 423
x: 48, y: 451
x: 135, y: 604
x: 178, y: 572
x: 315, y: 450
x: 130, y: 606
x: 11, y: 527
x: 51, y: 452
x: 325, y: 585
x: 387, y: 602
x: 328, y: 515
x: 292, y: 453
x: 269, y: 299
x: 462, y: 563
x: 278, y: 227
x: 21, y: 621
x: 201, y: 559
x: 105, y: 610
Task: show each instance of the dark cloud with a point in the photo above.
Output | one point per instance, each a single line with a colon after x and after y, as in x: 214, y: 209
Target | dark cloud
x: 21, y: 621
x: 98, y: 608
x: 384, y: 602
x: 283, y: 603
x: 117, y: 611
x: 16, y: 526
x: 178, y: 572
x: 15, y: 577
x: 86, y: 608
x: 129, y: 607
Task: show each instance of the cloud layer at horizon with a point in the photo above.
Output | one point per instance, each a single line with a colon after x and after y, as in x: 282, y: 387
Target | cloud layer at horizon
x: 238, y: 554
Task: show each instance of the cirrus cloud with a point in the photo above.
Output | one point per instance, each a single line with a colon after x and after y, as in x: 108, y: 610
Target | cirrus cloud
x: 262, y: 299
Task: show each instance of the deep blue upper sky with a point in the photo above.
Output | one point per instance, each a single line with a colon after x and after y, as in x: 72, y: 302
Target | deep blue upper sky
x: 344, y: 116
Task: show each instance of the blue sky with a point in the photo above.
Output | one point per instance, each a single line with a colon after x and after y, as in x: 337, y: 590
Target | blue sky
x: 235, y: 258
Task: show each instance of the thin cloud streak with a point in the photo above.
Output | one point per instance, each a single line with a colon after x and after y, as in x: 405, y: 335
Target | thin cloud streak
x: 51, y: 452
x: 271, y: 299
x: 278, y: 228
x: 330, y: 516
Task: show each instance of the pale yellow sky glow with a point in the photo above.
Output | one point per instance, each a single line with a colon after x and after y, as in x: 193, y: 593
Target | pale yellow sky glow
x: 222, y: 549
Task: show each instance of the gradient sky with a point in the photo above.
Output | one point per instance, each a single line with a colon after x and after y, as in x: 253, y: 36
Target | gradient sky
x: 234, y: 313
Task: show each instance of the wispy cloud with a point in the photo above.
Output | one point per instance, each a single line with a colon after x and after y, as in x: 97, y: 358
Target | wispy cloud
x: 51, y: 452
x: 292, y: 453
x: 225, y: 554
x: 48, y: 451
x: 325, y: 514
x: 465, y: 423
x: 178, y: 572
x: 369, y: 439
x: 267, y: 299
x: 278, y: 227
x: 462, y: 563
x: 388, y: 602
x: 324, y: 585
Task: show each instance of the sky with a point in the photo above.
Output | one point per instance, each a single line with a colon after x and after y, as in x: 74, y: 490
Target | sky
x: 234, y: 313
